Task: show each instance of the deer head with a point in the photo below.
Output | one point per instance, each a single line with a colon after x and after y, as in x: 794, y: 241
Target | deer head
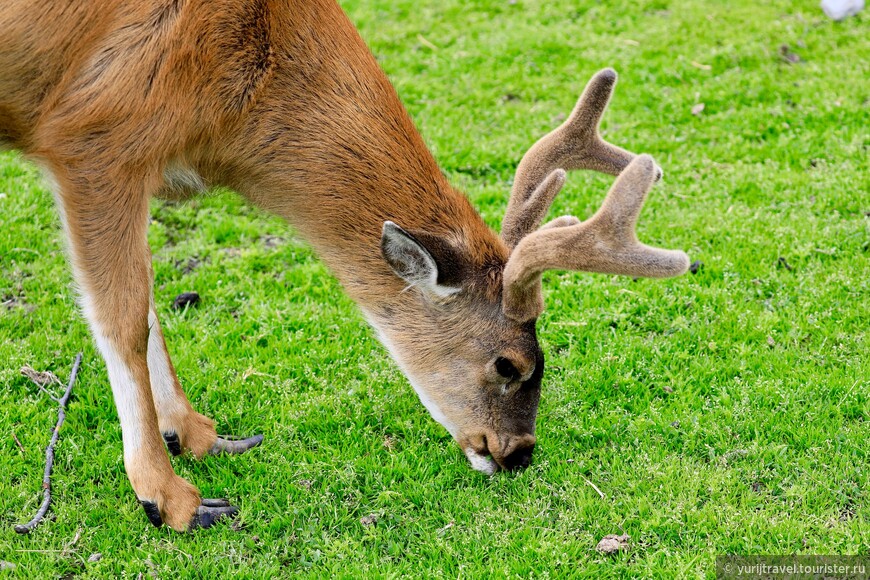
x: 472, y: 353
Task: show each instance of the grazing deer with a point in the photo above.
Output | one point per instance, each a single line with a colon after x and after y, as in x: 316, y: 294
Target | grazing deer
x: 282, y: 102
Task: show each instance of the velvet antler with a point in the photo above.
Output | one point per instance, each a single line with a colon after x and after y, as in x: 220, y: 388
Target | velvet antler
x: 604, y: 243
x: 575, y: 144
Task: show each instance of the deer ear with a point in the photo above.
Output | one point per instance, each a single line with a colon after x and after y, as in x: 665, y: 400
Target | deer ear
x: 411, y: 261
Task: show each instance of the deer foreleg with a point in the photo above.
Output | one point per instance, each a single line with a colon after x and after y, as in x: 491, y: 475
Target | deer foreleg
x: 106, y: 227
x: 181, y: 426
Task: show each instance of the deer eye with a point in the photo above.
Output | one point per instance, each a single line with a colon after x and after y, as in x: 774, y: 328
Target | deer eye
x: 506, y: 369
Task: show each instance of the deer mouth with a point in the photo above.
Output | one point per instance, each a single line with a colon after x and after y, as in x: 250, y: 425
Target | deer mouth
x: 483, y: 453
x: 514, y: 455
x: 481, y: 461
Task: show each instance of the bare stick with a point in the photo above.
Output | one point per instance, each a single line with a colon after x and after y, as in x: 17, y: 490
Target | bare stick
x: 20, y: 446
x: 49, y: 452
x: 595, y: 487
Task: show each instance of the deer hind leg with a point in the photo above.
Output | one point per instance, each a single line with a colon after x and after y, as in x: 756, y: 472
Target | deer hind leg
x: 181, y: 426
x: 106, y: 226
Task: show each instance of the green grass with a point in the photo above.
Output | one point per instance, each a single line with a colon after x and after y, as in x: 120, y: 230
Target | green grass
x: 726, y: 412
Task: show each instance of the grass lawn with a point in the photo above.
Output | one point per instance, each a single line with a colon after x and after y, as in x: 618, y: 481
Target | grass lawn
x: 725, y: 412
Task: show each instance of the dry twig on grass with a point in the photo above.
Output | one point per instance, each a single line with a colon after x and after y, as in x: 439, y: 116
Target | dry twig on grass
x: 17, y: 442
x: 49, y: 451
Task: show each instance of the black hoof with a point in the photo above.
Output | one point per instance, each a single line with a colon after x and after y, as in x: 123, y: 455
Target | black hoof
x: 152, y: 512
x: 211, y: 511
x: 173, y: 443
x: 235, y: 446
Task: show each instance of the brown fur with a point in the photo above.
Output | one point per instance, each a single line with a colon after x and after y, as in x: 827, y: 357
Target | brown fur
x: 282, y: 102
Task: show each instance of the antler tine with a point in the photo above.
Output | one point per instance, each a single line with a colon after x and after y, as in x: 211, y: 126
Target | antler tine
x: 575, y: 144
x: 604, y: 243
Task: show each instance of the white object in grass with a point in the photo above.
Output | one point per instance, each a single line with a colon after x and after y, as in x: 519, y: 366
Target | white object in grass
x: 840, y: 9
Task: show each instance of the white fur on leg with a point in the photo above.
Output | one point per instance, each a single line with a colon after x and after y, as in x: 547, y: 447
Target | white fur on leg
x: 125, y: 391
x: 126, y: 394
x: 166, y: 400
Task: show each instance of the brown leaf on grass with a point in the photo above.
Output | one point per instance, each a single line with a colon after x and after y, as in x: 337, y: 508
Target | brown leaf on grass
x: 787, y: 55
x: 698, y: 109
x: 369, y: 520
x: 40, y: 378
x: 189, y: 265
x: 272, y: 242
x: 11, y: 302
x: 611, y: 543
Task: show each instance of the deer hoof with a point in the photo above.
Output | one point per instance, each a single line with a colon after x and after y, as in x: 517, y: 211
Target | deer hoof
x: 210, y: 511
x: 173, y: 443
x: 235, y: 446
x: 152, y: 512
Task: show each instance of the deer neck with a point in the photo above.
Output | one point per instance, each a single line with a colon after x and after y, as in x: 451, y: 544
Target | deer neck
x: 331, y: 148
x: 338, y: 170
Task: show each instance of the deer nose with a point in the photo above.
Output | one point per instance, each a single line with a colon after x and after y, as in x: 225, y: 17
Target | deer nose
x: 520, y: 458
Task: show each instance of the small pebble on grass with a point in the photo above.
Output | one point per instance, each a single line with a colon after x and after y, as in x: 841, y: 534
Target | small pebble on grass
x: 611, y: 543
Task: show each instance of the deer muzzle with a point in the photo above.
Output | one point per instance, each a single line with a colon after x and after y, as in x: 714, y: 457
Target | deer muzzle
x: 489, y: 453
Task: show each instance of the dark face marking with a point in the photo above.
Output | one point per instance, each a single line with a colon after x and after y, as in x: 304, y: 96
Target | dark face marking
x: 521, y: 411
x: 519, y: 459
